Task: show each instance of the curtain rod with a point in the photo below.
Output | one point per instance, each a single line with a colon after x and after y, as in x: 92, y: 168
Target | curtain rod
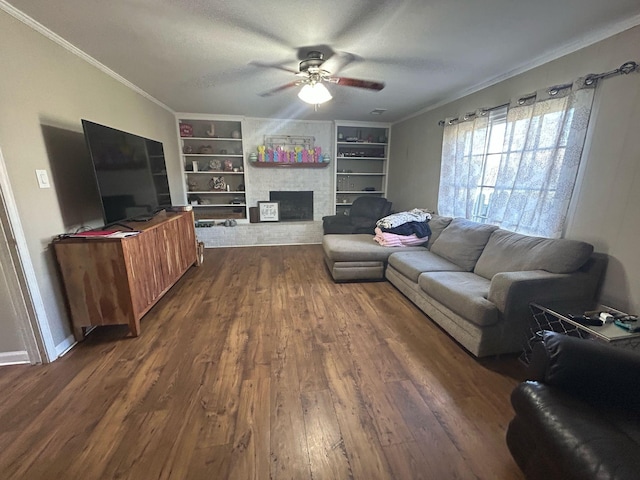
x: 624, y: 69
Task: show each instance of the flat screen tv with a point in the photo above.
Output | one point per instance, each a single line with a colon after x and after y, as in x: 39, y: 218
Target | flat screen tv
x: 130, y: 173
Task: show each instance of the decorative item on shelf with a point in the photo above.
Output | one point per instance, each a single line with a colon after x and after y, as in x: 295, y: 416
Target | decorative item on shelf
x: 326, y: 158
x: 192, y: 185
x: 215, y: 165
x: 237, y: 201
x: 205, y: 149
x: 236, y: 169
x: 297, y: 154
x: 194, y: 166
x: 187, y: 149
x: 212, y: 131
x: 253, y: 157
x: 217, y: 183
x: 186, y: 130
x: 235, y: 134
x: 382, y: 139
x: 340, y: 136
x: 228, y: 166
x: 241, y: 187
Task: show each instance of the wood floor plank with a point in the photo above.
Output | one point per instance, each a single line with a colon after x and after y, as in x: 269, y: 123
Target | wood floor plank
x: 364, y: 450
x: 250, y: 455
x: 257, y: 365
x: 289, y: 452
x: 430, y: 437
x: 327, y: 453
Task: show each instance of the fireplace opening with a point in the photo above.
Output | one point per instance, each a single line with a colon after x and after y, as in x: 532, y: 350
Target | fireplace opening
x: 294, y: 206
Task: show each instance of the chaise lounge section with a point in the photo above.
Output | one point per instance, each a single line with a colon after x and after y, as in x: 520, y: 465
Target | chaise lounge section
x: 357, y: 257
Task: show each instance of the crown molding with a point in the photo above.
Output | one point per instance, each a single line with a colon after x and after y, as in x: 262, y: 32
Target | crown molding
x: 54, y: 37
x: 585, y: 41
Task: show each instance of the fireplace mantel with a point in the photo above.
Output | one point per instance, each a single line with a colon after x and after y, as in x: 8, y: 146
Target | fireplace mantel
x: 289, y: 165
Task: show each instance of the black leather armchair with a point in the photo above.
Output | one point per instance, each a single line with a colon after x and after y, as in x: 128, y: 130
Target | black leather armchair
x: 362, y: 218
x: 579, y: 416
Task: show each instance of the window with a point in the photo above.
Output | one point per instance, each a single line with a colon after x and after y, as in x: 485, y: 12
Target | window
x: 516, y: 166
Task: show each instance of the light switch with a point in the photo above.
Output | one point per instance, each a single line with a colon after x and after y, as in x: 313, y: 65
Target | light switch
x: 43, y: 179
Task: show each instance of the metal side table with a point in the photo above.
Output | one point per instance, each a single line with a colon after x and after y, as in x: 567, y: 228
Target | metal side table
x: 555, y: 317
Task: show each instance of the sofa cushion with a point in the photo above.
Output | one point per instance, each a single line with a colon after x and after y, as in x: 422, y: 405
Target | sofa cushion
x: 437, y: 224
x: 462, y: 242
x: 412, y: 264
x: 464, y: 293
x: 358, y: 248
x: 513, y: 252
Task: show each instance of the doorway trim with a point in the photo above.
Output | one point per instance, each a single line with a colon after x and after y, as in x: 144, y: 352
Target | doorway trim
x: 34, y: 324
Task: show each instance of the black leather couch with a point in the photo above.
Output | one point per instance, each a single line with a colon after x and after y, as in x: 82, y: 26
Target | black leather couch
x: 362, y: 218
x: 579, y: 415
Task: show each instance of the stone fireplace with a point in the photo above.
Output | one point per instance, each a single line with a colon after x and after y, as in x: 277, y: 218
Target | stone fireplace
x: 295, y: 206
x: 312, y: 186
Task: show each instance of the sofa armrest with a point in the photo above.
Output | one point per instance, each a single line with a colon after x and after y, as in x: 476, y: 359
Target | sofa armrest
x: 509, y: 289
x: 336, y: 220
x: 587, y: 368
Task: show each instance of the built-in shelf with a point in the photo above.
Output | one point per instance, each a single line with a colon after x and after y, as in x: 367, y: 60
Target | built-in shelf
x: 361, y: 164
x: 226, y: 139
x: 218, y: 192
x: 212, y: 147
x: 213, y: 172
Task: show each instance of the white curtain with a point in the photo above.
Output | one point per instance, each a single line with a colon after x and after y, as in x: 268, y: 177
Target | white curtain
x: 531, y: 190
x: 463, y: 149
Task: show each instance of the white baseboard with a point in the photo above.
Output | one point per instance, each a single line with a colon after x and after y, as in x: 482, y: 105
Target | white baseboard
x: 65, y: 345
x: 14, y: 358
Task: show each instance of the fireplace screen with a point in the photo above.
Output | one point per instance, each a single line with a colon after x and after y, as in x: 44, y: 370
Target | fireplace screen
x: 294, y: 206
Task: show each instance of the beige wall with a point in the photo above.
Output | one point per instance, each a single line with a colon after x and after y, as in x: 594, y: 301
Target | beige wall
x: 44, y: 93
x: 606, y: 204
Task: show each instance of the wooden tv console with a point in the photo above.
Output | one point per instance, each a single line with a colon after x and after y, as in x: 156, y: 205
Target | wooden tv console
x: 115, y: 281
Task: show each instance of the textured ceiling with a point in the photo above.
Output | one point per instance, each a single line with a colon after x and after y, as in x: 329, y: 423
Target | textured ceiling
x: 211, y: 56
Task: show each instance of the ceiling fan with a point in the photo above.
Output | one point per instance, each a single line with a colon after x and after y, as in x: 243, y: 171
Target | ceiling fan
x: 314, y: 71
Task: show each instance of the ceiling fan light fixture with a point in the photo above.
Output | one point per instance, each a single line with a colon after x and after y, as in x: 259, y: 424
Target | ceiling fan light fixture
x: 314, y: 94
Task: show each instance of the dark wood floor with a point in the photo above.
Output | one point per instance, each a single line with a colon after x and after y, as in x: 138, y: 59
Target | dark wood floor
x: 256, y: 365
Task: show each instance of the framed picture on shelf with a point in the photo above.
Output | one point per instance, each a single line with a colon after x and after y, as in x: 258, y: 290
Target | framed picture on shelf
x: 269, y: 211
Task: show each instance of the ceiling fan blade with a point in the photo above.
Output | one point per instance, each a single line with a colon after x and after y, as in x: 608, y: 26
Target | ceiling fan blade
x: 278, y: 89
x: 273, y: 65
x: 354, y: 82
x: 337, y: 62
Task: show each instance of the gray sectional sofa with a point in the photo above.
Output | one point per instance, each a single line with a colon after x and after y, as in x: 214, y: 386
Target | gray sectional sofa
x: 474, y: 280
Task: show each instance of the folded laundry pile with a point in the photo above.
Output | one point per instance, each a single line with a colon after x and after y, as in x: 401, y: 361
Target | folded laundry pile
x: 403, y: 228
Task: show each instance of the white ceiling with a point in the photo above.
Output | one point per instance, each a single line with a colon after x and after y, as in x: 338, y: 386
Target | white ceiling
x: 202, y: 55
